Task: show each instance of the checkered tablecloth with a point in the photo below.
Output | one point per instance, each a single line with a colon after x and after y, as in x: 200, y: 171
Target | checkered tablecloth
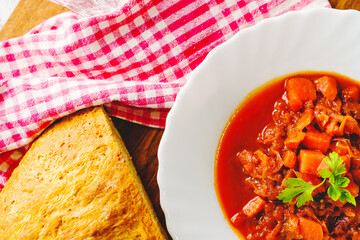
x: 133, y: 57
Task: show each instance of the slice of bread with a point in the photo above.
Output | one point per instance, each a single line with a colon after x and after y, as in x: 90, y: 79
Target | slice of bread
x: 77, y: 181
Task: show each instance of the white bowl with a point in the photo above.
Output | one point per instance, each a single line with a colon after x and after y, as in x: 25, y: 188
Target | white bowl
x: 318, y: 40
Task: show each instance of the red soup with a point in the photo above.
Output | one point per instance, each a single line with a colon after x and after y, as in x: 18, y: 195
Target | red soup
x: 288, y: 162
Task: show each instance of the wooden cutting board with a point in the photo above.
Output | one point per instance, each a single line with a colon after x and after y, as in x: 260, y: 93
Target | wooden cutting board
x: 142, y: 142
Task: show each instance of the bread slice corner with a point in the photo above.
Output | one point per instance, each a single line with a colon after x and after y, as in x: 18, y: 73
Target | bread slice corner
x: 77, y: 181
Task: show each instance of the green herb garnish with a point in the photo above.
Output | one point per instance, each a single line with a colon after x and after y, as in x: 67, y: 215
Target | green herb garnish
x: 303, y: 190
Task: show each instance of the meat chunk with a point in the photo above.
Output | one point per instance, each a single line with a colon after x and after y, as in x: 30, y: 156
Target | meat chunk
x: 327, y: 86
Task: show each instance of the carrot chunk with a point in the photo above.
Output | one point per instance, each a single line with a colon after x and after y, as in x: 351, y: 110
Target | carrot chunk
x: 237, y: 218
x: 289, y: 159
x: 309, y: 161
x: 310, y: 230
x: 322, y: 166
x: 341, y: 147
x: 312, y: 179
x: 327, y: 86
x: 299, y: 91
x: 316, y: 140
x: 353, y: 188
x: 356, y: 236
x: 254, y: 206
x: 351, y: 93
x: 347, y: 161
x: 294, y: 138
x: 305, y: 119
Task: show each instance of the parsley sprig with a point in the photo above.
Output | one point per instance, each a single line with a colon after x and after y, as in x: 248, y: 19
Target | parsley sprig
x: 303, y: 190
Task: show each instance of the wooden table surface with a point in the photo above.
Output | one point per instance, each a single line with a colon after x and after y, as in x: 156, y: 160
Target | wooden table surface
x: 142, y: 142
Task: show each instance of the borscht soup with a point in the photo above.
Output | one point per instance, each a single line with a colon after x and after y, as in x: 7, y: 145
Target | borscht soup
x: 288, y: 161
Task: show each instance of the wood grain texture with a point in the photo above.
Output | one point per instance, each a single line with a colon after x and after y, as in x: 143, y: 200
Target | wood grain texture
x: 345, y: 4
x: 28, y: 14
x: 142, y: 142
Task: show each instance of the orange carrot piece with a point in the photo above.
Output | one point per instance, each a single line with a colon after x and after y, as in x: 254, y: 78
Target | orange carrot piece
x: 309, y: 161
x: 316, y: 140
x: 237, y: 218
x: 353, y: 188
x: 323, y: 165
x: 347, y: 161
x: 310, y: 230
x: 305, y: 119
x: 341, y: 147
x: 312, y: 179
x: 327, y: 86
x: 351, y: 93
x: 299, y: 91
x: 254, y: 206
x: 294, y: 138
x: 290, y: 159
x: 356, y: 236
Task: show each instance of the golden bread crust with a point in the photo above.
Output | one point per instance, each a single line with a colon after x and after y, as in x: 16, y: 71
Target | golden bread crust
x: 77, y: 181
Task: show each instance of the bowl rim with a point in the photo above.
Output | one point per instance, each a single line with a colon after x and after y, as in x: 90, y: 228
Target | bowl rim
x: 192, y: 83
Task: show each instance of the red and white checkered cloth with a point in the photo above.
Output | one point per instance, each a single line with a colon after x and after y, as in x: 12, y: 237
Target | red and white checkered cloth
x: 133, y: 60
